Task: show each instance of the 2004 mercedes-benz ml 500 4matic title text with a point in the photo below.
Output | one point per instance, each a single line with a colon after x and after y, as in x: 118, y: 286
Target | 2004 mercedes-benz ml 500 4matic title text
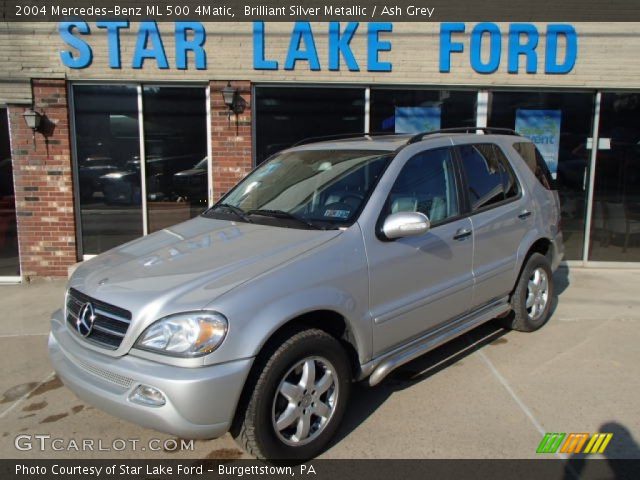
x: 333, y: 262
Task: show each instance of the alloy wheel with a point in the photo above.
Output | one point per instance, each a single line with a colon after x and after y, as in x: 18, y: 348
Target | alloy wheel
x: 305, y: 401
x: 537, y: 293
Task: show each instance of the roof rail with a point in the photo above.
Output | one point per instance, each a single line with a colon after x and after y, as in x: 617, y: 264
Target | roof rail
x: 485, y: 130
x: 339, y: 136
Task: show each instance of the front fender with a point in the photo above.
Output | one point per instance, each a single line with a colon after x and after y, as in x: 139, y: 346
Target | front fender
x: 332, y: 277
x: 285, y: 309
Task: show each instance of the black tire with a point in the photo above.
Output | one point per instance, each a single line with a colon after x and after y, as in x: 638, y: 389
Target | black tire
x: 520, y: 318
x: 254, y: 428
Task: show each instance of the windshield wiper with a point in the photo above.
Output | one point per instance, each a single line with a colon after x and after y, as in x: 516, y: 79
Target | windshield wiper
x: 283, y: 214
x: 238, y: 212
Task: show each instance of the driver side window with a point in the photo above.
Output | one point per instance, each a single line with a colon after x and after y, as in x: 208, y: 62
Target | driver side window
x: 426, y: 184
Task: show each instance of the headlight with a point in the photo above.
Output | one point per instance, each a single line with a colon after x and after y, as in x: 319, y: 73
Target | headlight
x: 189, y: 334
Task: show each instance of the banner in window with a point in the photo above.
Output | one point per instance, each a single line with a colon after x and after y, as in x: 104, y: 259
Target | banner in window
x: 417, y: 119
x: 543, y: 128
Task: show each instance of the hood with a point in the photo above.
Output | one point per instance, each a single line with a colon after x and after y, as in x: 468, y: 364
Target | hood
x: 190, y: 264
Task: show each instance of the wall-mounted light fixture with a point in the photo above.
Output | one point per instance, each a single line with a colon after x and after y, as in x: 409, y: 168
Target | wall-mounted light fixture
x: 33, y: 120
x: 233, y: 100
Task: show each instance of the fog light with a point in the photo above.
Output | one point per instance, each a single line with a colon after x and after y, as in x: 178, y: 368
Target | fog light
x: 146, y: 395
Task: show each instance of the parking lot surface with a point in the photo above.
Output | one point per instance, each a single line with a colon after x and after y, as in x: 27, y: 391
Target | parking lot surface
x: 489, y: 394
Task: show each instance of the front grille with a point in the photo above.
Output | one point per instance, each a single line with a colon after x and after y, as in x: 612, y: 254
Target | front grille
x: 110, y: 324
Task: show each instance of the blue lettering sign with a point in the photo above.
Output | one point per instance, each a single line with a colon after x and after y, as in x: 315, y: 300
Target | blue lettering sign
x: 302, y: 34
x: 259, y: 60
x: 375, y: 46
x: 447, y: 47
x: 339, y: 45
x: 302, y: 47
x: 528, y: 48
x: 551, y: 64
x: 523, y: 41
x: 195, y: 44
x: 113, y: 40
x: 495, y: 47
x: 85, y: 55
x: 149, y: 33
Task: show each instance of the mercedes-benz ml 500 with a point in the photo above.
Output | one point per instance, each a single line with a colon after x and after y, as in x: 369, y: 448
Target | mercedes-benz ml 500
x: 332, y: 262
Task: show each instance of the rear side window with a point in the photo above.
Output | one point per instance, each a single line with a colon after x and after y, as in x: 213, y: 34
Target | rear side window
x: 490, y: 179
x: 535, y: 161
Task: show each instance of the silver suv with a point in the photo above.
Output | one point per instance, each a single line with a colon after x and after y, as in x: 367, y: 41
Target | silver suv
x: 333, y: 262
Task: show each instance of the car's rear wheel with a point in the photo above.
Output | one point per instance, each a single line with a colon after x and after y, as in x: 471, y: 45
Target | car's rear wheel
x: 532, y: 298
x: 295, y: 398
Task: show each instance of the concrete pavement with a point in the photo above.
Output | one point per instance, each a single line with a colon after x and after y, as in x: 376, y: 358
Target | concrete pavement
x: 489, y: 394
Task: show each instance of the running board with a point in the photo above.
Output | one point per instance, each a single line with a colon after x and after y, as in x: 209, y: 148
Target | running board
x: 383, y: 366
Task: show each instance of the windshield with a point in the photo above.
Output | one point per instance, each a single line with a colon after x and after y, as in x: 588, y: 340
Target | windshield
x: 306, y: 189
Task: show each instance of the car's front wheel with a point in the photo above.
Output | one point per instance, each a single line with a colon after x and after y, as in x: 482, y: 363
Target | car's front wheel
x: 295, y: 398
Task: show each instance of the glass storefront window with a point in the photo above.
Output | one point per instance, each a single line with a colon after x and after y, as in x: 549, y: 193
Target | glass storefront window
x: 175, y: 136
x: 9, y: 259
x: 107, y: 136
x: 286, y: 115
x: 615, y: 222
x: 108, y: 158
x: 538, y: 116
x: 414, y: 111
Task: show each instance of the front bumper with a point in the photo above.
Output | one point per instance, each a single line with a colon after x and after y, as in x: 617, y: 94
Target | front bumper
x: 201, y: 402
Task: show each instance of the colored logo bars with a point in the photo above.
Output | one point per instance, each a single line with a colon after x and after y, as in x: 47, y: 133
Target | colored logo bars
x: 573, y: 443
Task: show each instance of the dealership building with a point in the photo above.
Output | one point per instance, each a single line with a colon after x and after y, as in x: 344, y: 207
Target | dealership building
x: 113, y: 131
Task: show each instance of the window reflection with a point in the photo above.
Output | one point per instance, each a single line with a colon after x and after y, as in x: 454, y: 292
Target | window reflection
x: 175, y: 134
x: 574, y: 111
x: 414, y: 111
x: 615, y: 226
x: 9, y: 260
x: 286, y: 115
x: 108, y: 160
x: 107, y: 147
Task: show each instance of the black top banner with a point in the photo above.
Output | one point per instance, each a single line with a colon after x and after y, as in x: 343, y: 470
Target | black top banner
x: 323, y: 10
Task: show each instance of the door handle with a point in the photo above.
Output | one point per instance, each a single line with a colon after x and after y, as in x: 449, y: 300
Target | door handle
x: 524, y: 214
x: 462, y: 233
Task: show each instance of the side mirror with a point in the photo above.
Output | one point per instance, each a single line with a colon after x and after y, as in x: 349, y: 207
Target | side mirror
x: 405, y: 224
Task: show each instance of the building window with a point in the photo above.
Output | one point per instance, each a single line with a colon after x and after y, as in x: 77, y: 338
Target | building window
x: 286, y: 115
x: 559, y: 124
x: 108, y: 165
x: 615, y: 224
x: 414, y: 111
x: 175, y: 137
x: 9, y: 259
x: 108, y: 160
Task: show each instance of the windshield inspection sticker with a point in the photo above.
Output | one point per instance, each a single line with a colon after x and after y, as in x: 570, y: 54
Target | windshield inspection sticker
x: 337, y: 213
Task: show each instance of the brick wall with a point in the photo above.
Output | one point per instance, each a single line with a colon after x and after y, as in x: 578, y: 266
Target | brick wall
x: 230, y: 138
x: 43, y: 184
